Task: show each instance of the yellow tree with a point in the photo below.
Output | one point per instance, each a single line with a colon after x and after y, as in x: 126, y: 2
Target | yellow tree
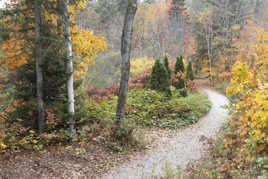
x: 250, y: 113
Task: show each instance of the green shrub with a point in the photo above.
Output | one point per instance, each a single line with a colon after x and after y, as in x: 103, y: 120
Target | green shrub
x: 183, y: 90
x: 179, y: 65
x: 149, y: 108
x: 166, y: 63
x: 189, y: 73
x: 159, y: 78
x: 180, y: 77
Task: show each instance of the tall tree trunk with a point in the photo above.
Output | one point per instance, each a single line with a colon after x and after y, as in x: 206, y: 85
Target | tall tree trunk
x: 125, y: 53
x: 59, y: 20
x: 257, y: 10
x: 209, y: 39
x: 68, y: 49
x: 39, y: 72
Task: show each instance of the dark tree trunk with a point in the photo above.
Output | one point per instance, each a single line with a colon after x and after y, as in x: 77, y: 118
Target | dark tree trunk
x: 59, y: 20
x: 125, y: 53
x: 39, y: 72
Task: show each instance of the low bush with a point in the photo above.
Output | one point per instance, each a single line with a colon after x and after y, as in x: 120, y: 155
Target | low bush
x: 149, y: 108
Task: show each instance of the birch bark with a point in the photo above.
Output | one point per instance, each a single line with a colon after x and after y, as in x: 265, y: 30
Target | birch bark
x: 68, y: 48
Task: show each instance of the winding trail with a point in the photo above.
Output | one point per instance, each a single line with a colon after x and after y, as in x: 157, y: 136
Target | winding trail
x: 188, y: 145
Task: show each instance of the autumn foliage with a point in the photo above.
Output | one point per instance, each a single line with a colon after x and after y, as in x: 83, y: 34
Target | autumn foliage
x: 246, y: 139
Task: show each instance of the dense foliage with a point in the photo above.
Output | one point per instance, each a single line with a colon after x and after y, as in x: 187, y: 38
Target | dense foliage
x: 153, y: 109
x: 145, y: 108
x: 159, y: 78
x: 20, y: 60
x: 179, y: 80
x: 226, y: 40
x: 179, y: 65
x: 241, y: 150
x: 189, y: 72
x: 166, y: 63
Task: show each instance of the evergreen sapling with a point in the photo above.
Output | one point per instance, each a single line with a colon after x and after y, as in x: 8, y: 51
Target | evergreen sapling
x: 159, y: 78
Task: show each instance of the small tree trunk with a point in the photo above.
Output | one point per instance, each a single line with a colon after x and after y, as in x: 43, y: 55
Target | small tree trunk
x: 125, y: 53
x: 68, y: 49
x: 39, y: 72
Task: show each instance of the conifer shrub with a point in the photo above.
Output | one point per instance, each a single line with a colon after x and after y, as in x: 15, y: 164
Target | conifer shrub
x: 189, y: 72
x: 179, y: 65
x: 166, y: 63
x: 178, y: 79
x: 159, y: 78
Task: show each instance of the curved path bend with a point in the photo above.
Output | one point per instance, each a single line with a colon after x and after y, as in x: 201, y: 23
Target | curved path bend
x: 187, y: 146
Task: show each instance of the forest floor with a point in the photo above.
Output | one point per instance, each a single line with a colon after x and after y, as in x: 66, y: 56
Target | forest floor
x: 172, y: 147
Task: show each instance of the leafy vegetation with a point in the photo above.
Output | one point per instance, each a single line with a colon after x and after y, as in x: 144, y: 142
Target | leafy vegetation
x: 241, y: 149
x: 179, y: 65
x: 225, y: 40
x: 178, y: 78
x: 145, y: 108
x: 189, y: 72
x: 159, y: 78
x: 166, y: 63
x: 153, y: 109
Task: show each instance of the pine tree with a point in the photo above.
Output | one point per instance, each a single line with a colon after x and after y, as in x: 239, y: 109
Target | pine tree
x: 159, y: 78
x: 179, y: 65
x: 189, y: 73
x: 179, y: 68
x: 166, y: 63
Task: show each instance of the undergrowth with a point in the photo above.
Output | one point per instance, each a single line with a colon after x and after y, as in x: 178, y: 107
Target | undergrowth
x: 95, y: 121
x: 149, y: 108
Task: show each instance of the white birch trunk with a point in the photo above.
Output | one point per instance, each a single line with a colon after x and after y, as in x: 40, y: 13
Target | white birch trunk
x: 68, y: 49
x: 125, y: 53
x: 39, y: 72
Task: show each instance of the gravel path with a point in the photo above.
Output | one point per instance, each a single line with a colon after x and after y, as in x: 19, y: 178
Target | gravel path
x: 179, y: 150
